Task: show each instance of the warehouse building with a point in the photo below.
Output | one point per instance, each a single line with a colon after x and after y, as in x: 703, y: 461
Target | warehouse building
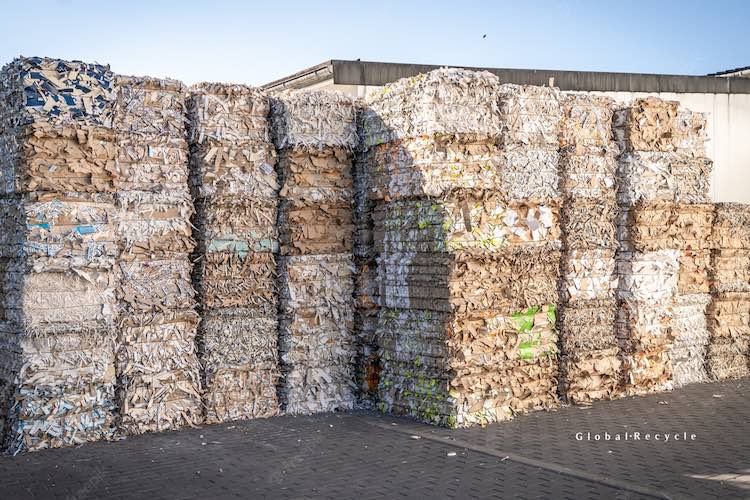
x: 725, y: 96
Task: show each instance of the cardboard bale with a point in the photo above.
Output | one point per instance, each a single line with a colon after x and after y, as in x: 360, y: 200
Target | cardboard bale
x: 56, y: 117
x: 445, y: 102
x: 588, y: 275
x: 150, y: 123
x: 57, y: 390
x: 731, y: 243
x: 462, y: 370
x: 465, y: 223
x: 691, y: 133
x: 588, y: 175
x: 646, y: 124
x: 729, y: 327
x: 241, y: 363
x: 531, y: 117
x: 234, y: 182
x: 586, y: 129
x: 453, y: 282
x: 691, y: 336
x: 316, y: 344
x: 59, y: 232
x: 159, y: 387
x: 310, y: 119
x: 428, y: 167
x: 728, y: 314
x: 590, y: 358
x: 647, y: 290
x: 658, y: 225
x: 656, y: 176
x: 154, y: 224
x: 467, y: 233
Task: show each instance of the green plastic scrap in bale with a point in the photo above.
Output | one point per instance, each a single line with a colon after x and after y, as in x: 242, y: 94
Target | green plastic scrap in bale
x: 467, y: 369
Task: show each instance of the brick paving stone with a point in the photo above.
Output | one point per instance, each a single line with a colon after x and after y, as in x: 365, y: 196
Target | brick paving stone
x: 367, y: 455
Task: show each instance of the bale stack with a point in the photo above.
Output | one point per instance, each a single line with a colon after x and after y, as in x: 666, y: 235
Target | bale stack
x: 157, y: 366
x: 366, y: 290
x: 664, y: 243
x: 57, y: 254
x: 315, y: 133
x: 693, y: 225
x: 590, y: 362
x: 464, y: 172
x: 235, y: 187
x: 729, y: 310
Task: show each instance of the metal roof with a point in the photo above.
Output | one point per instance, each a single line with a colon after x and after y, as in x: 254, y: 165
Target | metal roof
x: 345, y: 72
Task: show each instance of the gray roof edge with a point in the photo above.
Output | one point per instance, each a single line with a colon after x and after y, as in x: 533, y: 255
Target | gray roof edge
x: 380, y: 73
x: 313, y: 74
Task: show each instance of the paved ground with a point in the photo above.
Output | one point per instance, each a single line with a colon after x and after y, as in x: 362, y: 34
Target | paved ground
x: 366, y: 455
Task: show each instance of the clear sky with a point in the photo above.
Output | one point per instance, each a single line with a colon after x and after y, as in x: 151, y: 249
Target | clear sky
x: 249, y: 42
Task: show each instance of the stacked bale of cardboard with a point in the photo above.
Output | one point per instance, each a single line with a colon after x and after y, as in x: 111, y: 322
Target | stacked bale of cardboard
x: 664, y: 243
x: 366, y: 290
x: 236, y: 191
x: 464, y: 172
x: 590, y: 362
x: 729, y: 310
x: 157, y: 366
x: 315, y: 133
x: 57, y: 254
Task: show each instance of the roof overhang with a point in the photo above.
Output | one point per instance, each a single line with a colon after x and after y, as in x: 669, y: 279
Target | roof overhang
x: 303, y: 79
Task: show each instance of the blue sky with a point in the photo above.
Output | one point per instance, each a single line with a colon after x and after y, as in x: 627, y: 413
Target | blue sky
x: 258, y: 42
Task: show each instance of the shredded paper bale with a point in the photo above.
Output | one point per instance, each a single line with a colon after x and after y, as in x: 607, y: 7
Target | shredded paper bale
x: 157, y: 366
x: 729, y: 311
x: 235, y: 185
x: 316, y: 134
x: 463, y: 173
x: 58, y: 251
x: 665, y: 243
x: 315, y: 341
x: 590, y: 364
